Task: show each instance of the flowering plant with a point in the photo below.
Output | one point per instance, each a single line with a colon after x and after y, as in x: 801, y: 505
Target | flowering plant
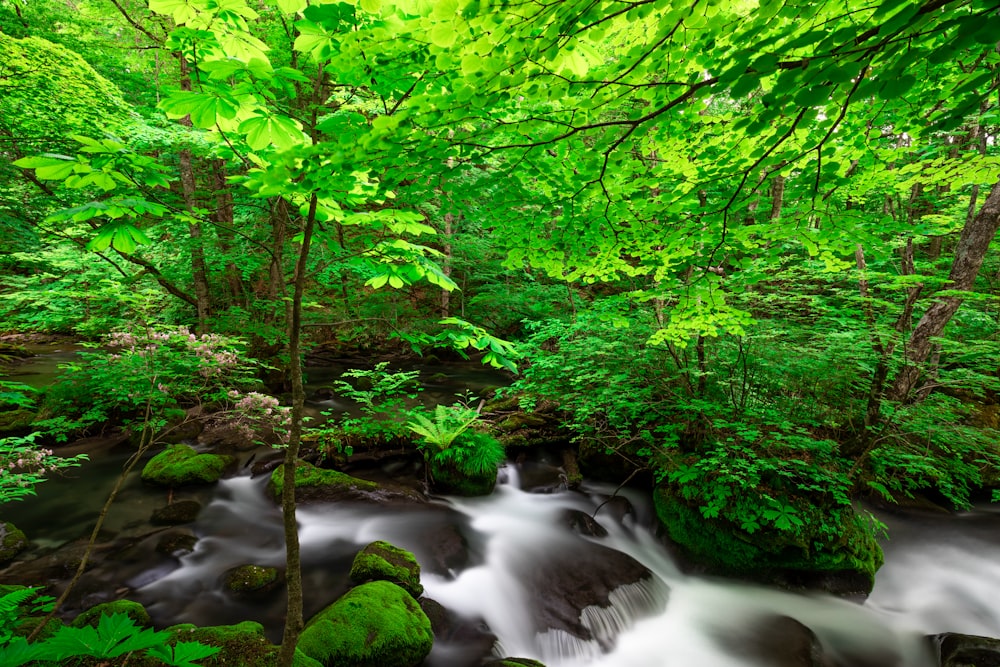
x: 23, y: 464
x: 148, y: 374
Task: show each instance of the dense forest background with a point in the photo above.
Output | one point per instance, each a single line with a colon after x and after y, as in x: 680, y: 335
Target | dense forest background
x: 744, y: 246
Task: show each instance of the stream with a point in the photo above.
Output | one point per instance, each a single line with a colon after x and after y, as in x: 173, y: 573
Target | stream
x: 571, y: 578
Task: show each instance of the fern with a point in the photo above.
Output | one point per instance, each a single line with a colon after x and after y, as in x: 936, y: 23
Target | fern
x: 183, y: 654
x: 448, y: 424
x: 114, y: 636
x: 10, y: 612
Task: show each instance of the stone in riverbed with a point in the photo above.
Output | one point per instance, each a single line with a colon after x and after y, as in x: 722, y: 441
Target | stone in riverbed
x: 967, y: 650
x: 314, y: 484
x: 374, y: 625
x: 181, y: 465
x: 12, y: 542
x: 251, y: 581
x: 381, y: 561
x: 133, y: 610
x: 514, y: 662
x: 183, y: 511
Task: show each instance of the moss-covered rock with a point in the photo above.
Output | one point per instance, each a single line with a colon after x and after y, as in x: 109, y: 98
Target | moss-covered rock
x: 243, y: 644
x: 381, y: 561
x: 176, y: 543
x: 12, y: 542
x: 514, y: 662
x: 845, y: 564
x: 251, y: 580
x: 183, y: 511
x: 180, y: 465
x: 318, y: 484
x: 447, y: 478
x: 374, y: 625
x: 12, y: 421
x: 133, y: 610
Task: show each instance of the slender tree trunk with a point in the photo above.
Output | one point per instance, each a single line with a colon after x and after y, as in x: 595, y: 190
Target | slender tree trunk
x: 777, y: 196
x: 449, y: 219
x: 225, y: 220
x: 293, y: 563
x: 198, y: 269
x: 969, y: 254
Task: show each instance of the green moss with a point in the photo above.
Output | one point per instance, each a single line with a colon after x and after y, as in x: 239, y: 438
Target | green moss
x: 520, y: 420
x: 28, y: 625
x: 844, y: 564
x: 243, y: 644
x: 252, y: 579
x: 324, y: 482
x: 382, y: 561
x: 448, y: 479
x: 133, y: 610
x: 12, y: 542
x: 179, y: 465
x: 374, y: 625
x: 13, y: 420
x: 514, y: 662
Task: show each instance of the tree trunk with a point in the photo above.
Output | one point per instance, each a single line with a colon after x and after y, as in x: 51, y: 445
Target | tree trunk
x: 969, y: 254
x: 198, y: 269
x: 293, y: 564
x: 446, y: 264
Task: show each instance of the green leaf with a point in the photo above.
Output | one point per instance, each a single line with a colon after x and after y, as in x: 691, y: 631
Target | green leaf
x: 48, y: 168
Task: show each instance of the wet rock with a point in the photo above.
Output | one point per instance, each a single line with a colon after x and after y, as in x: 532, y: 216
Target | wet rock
x: 12, y: 542
x: 844, y: 564
x: 597, y: 577
x: 522, y: 420
x: 133, y: 610
x: 514, y: 662
x: 777, y: 641
x: 582, y: 523
x: 381, y: 561
x: 314, y: 484
x: 448, y: 479
x: 176, y: 543
x: 449, y: 550
x: 615, y: 508
x: 458, y: 641
x: 377, y: 623
x: 181, y: 465
x: 967, y: 650
x: 252, y: 581
x: 183, y: 511
x: 228, y: 437
x: 16, y: 422
x: 243, y: 644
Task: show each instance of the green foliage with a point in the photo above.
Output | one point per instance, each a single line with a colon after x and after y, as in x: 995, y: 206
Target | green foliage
x: 472, y: 454
x: 24, y: 465
x: 148, y: 375
x: 378, y: 390
x: 16, y: 395
x: 445, y: 425
x: 115, y: 636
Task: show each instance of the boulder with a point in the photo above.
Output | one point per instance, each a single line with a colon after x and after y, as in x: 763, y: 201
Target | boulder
x: 243, y: 644
x: 381, y: 561
x: 844, y: 564
x: 251, y: 581
x: 449, y: 480
x: 374, y: 625
x: 183, y: 511
x: 133, y: 610
x: 180, y: 465
x: 514, y: 662
x: 176, y: 543
x: 967, y: 650
x: 12, y: 542
x: 314, y: 484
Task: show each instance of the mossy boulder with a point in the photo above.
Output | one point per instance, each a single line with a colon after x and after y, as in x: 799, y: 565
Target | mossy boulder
x: 844, y: 563
x: 447, y: 478
x: 13, y: 421
x: 318, y: 484
x: 133, y: 610
x: 381, y: 561
x: 12, y: 542
x: 374, y: 625
x: 181, y: 465
x: 514, y: 662
x: 243, y: 644
x: 249, y: 581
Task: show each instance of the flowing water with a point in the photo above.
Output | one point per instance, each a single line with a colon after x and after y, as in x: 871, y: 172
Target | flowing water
x: 527, y: 565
